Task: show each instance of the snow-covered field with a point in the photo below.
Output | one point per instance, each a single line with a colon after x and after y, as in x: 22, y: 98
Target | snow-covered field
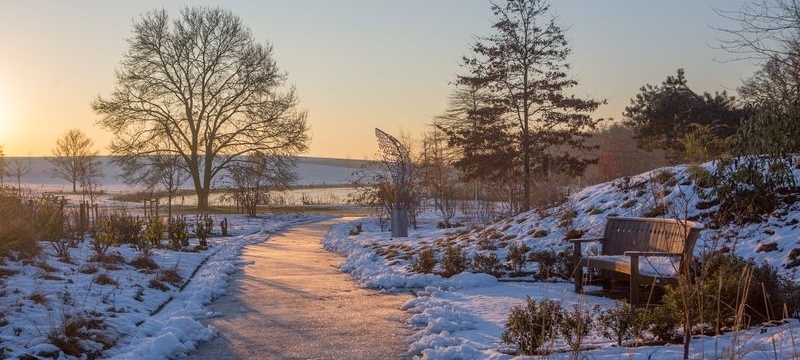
x: 461, y: 317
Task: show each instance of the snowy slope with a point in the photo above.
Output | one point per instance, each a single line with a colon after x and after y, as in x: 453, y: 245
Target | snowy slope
x: 462, y: 317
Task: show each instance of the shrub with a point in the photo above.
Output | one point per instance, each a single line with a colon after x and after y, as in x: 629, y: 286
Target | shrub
x: 116, y: 228
x: 517, y: 257
x: 539, y: 233
x: 574, y: 234
x: 750, y: 184
x: 567, y: 217
x: 203, y: 227
x: 659, y: 209
x: 701, y: 177
x: 575, y: 325
x: 486, y: 264
x: 745, y: 189
x: 16, y: 234
x: 665, y: 177
x: 62, y: 247
x: 48, y: 217
x: 144, y: 262
x: 725, y: 277
x: 552, y: 264
x: 622, y: 322
x: 662, y: 323
x: 223, y: 226
x: 424, y: 262
x: 153, y: 233
x: 454, y: 261
x: 178, y: 233
x: 530, y: 325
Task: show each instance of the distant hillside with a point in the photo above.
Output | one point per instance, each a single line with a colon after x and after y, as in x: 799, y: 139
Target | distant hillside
x: 310, y: 170
x: 348, y: 163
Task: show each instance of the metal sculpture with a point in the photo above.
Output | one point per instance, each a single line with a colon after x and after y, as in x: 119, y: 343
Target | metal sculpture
x: 398, y: 163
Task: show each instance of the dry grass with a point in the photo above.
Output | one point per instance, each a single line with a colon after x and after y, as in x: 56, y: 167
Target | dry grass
x: 171, y: 276
x: 104, y: 279
x: 39, y: 298
x: 144, y: 262
x: 76, y: 331
x: 108, y: 258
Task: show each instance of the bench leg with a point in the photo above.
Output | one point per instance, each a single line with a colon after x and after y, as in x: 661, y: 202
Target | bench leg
x: 578, y: 273
x: 634, y: 291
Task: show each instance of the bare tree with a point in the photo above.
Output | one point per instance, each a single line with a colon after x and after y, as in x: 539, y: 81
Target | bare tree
x: 202, y: 89
x: 438, y: 176
x: 71, y: 156
x: 165, y: 169
x: 18, y: 167
x: 767, y: 29
x: 91, y: 174
x: 254, y: 178
x: 778, y: 81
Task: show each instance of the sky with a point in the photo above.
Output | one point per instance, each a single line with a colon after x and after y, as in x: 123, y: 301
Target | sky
x: 356, y: 64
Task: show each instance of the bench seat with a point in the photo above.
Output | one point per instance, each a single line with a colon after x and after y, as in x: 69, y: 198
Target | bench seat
x: 645, y: 251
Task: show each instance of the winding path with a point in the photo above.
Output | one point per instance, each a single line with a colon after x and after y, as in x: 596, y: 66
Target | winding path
x: 292, y: 302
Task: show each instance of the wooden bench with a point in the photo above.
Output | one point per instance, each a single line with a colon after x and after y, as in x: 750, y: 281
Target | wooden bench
x: 644, y: 251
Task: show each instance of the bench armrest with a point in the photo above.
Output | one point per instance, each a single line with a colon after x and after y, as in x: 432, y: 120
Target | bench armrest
x: 576, y: 245
x: 651, y: 253
x: 583, y: 240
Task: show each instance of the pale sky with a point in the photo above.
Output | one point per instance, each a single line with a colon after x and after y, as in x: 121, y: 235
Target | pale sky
x: 357, y: 64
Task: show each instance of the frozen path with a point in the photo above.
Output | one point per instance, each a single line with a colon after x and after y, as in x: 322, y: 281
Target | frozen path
x: 292, y: 302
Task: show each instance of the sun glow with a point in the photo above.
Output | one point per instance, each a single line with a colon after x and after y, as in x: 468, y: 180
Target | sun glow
x: 5, y: 118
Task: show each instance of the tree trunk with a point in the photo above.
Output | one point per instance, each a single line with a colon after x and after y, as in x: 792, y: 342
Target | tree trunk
x: 202, y: 199
x: 526, y: 155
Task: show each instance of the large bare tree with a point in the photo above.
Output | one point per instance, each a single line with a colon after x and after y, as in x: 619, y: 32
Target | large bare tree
x: 72, y: 157
x: 201, y: 88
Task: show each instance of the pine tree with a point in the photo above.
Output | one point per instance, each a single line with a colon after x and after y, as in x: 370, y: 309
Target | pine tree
x: 523, y: 68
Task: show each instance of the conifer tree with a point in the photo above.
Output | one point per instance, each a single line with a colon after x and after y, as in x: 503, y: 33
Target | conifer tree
x: 523, y: 68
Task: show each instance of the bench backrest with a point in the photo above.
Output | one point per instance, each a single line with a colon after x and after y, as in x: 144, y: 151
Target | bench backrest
x: 650, y: 234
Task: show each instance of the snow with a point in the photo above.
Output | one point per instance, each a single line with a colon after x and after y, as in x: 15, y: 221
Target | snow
x: 159, y: 325
x: 461, y: 317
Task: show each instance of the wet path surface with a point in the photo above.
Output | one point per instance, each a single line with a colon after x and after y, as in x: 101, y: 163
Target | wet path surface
x: 294, y: 303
